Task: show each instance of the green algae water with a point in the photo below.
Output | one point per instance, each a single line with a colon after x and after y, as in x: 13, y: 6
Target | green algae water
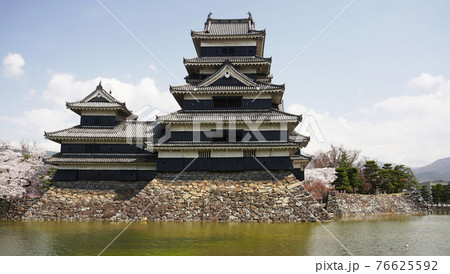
x: 381, y: 235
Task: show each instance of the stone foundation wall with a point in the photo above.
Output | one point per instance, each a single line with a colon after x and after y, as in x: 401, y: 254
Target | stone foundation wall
x: 194, y: 196
x: 15, y: 210
x: 357, y: 204
x: 239, y: 196
x: 82, y: 201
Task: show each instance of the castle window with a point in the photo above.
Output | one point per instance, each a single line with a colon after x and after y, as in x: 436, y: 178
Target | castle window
x: 234, y: 102
x: 249, y: 153
x: 92, y: 148
x: 221, y: 102
x: 204, y: 154
x: 97, y: 121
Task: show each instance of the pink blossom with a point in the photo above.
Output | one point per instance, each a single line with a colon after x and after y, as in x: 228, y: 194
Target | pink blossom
x: 20, y: 171
x: 326, y: 175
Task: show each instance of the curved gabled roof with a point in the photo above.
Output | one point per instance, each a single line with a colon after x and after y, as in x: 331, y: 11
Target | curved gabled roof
x: 227, y: 70
x: 213, y: 85
x: 99, y: 99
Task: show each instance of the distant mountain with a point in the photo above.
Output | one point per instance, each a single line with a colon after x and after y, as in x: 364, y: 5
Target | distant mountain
x: 438, y: 170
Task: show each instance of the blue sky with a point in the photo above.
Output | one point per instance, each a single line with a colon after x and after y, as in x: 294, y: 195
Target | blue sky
x: 377, y: 79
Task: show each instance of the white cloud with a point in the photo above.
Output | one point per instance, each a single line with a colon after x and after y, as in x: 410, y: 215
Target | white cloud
x: 31, y: 94
x: 408, y: 129
x: 12, y: 65
x: 64, y: 87
x: 426, y: 80
x: 152, y: 67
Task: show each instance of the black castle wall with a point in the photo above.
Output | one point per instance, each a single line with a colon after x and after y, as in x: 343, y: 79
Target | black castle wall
x: 224, y: 164
x: 209, y: 104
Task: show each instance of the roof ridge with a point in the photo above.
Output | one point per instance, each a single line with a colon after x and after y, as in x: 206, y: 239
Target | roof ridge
x: 228, y: 27
x: 99, y: 88
x: 58, y: 131
x: 87, y: 102
x: 226, y: 110
x: 287, y: 113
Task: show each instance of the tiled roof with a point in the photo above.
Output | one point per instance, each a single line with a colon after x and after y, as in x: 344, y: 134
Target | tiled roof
x: 299, y: 138
x: 105, y: 158
x: 228, y: 27
x: 254, y: 89
x: 300, y: 157
x: 124, y: 130
x: 232, y: 59
x: 227, y: 115
x: 107, y: 95
x: 102, y: 105
x: 97, y: 100
x: 227, y: 70
x: 206, y: 144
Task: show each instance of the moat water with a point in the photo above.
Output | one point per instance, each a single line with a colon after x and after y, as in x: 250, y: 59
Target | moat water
x: 381, y: 235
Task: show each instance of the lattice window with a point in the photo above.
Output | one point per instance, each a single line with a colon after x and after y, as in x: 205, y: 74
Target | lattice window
x: 220, y: 103
x: 227, y: 102
x: 234, y: 102
x: 249, y: 153
x: 204, y: 154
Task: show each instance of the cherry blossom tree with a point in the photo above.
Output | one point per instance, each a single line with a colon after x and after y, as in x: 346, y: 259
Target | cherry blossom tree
x: 326, y: 175
x: 22, y: 171
x: 318, y: 181
x: 333, y: 156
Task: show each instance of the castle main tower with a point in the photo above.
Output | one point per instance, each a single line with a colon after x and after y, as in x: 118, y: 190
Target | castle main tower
x: 231, y: 114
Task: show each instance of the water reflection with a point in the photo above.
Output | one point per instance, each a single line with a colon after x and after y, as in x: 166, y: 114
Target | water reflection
x: 382, y: 235
x: 399, y: 235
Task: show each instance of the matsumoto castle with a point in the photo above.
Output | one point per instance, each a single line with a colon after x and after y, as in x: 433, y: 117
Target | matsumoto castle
x: 231, y: 119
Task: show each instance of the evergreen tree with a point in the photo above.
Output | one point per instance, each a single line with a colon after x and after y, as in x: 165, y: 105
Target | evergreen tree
x: 353, y: 178
x: 437, y: 192
x: 445, y: 194
x: 405, y: 178
x: 341, y: 182
x: 371, y: 176
x: 425, y: 193
x: 387, y: 177
x: 346, y: 175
